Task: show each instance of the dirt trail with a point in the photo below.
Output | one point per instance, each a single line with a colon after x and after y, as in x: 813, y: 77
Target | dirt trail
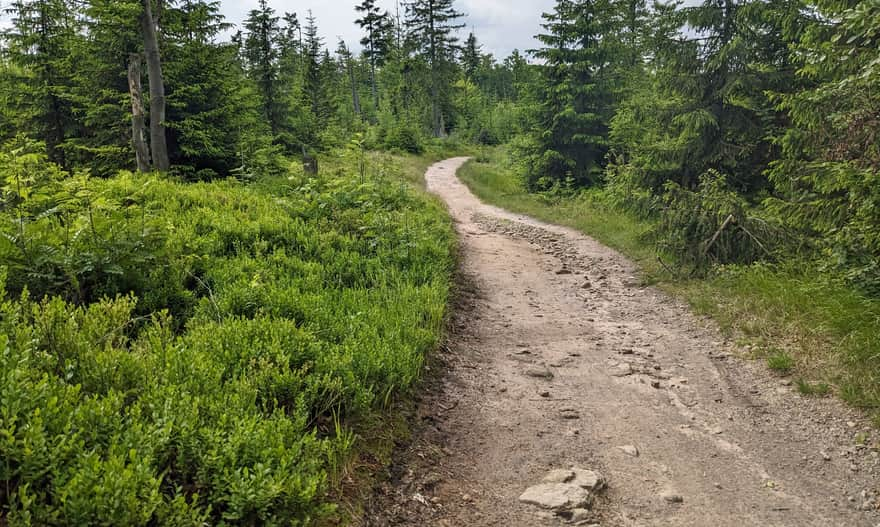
x: 558, y: 356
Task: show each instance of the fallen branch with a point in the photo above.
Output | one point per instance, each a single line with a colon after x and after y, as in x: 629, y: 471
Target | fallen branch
x: 667, y: 268
x: 730, y: 219
x: 756, y: 240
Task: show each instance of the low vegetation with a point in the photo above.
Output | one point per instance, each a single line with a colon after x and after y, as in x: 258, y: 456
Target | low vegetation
x: 191, y: 354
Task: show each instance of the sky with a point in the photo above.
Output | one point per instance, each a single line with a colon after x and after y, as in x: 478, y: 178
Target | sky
x: 500, y: 25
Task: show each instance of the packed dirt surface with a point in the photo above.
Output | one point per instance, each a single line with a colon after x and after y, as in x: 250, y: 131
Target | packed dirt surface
x: 559, y: 357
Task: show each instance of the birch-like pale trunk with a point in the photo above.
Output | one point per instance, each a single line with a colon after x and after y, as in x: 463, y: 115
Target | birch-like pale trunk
x: 157, y: 90
x: 138, y: 119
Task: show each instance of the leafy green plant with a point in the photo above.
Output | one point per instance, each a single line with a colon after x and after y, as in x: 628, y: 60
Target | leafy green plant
x: 215, y: 379
x: 405, y: 139
x: 67, y: 235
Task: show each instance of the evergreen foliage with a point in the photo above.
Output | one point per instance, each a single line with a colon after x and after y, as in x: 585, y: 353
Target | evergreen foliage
x: 575, y: 102
x: 829, y: 166
x: 432, y: 26
x: 762, y: 112
x: 377, y: 42
x: 261, y: 56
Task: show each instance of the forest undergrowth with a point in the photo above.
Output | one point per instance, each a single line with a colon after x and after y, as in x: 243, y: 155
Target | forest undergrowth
x: 201, y: 353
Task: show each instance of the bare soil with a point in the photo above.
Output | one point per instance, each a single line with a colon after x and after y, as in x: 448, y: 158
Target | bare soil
x: 557, y: 356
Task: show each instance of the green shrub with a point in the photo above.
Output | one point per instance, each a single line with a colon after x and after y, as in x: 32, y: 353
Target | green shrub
x: 713, y: 224
x: 780, y: 362
x: 627, y: 189
x: 211, y: 377
x: 486, y: 137
x: 404, y: 139
x: 70, y: 235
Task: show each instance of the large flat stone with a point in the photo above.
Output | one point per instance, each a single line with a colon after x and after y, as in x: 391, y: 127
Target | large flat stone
x: 585, y: 479
x: 557, y: 496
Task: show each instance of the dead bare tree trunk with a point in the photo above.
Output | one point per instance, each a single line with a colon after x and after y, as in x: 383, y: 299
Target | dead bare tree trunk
x: 157, y: 90
x: 138, y: 120
x: 310, y: 163
x: 373, y: 86
x: 355, y: 95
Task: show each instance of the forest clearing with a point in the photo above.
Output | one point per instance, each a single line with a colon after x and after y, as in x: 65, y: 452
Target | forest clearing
x: 550, y: 262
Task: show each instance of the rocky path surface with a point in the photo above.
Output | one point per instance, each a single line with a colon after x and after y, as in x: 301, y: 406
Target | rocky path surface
x: 559, y: 359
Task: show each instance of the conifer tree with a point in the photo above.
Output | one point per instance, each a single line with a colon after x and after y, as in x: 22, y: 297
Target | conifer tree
x: 471, y: 57
x: 377, y: 27
x: 432, y: 27
x: 208, y: 112
x: 574, y: 112
x: 829, y: 166
x: 346, y: 60
x: 261, y: 57
x: 702, y: 103
x: 312, y: 50
x: 39, y: 41
x: 290, y: 55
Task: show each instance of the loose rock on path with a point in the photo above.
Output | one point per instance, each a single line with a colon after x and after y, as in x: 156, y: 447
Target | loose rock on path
x: 559, y: 361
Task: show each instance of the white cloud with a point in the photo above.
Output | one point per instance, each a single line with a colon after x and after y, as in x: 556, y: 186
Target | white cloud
x: 500, y: 25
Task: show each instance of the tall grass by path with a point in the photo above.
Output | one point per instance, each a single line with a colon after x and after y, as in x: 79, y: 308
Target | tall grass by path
x: 830, y: 331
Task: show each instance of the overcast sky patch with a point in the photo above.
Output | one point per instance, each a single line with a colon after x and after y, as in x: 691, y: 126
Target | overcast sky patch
x: 500, y: 25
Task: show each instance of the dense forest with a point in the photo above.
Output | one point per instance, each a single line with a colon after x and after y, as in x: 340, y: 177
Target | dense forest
x: 191, y: 322
x: 762, y: 115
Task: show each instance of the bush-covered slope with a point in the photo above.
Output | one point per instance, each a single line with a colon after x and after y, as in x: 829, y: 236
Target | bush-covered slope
x: 191, y: 354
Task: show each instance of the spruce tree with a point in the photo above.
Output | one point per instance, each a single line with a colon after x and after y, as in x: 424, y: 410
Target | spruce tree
x: 290, y: 55
x: 377, y: 27
x: 432, y: 28
x: 471, y: 57
x: 208, y: 113
x: 346, y: 62
x: 828, y: 172
x: 575, y: 98
x: 312, y: 50
x: 39, y: 41
x: 701, y: 103
x: 261, y: 57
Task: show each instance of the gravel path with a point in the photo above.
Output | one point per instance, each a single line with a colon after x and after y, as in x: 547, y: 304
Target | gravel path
x: 559, y: 358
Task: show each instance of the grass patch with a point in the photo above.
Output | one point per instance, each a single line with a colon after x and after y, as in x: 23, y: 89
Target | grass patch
x: 780, y: 362
x: 831, y: 333
x: 810, y: 389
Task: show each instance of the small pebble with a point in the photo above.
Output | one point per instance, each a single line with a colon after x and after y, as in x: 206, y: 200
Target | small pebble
x: 672, y: 498
x: 629, y: 450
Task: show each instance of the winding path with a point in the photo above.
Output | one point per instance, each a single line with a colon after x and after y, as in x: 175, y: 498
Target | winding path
x: 558, y: 356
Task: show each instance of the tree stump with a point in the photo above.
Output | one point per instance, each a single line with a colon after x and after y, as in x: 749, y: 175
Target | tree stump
x: 310, y: 165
